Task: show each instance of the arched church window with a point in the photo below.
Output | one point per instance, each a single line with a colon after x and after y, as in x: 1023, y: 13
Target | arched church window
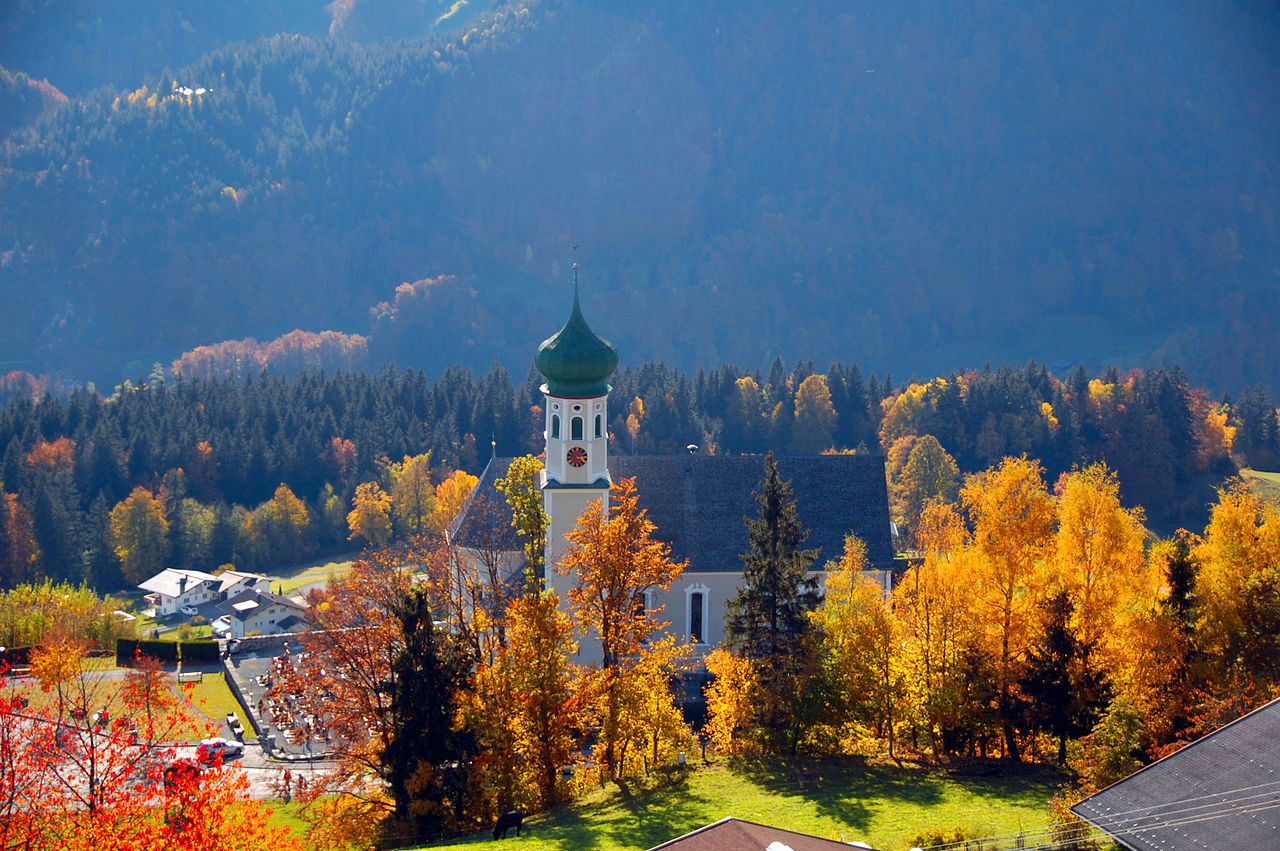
x: 695, y: 617
x: 696, y: 613
x: 599, y: 426
x: 575, y: 429
x: 555, y: 425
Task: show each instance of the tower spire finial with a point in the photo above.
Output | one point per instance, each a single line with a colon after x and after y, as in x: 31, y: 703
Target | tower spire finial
x: 575, y: 272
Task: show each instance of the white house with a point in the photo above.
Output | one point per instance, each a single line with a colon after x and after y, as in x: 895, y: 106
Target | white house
x: 263, y: 613
x: 170, y: 589
x: 232, y: 582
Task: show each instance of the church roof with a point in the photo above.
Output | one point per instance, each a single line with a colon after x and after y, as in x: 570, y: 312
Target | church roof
x: 699, y: 502
x: 575, y: 360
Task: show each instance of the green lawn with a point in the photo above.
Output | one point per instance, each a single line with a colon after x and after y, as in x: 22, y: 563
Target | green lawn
x: 882, y: 805
x: 212, y: 698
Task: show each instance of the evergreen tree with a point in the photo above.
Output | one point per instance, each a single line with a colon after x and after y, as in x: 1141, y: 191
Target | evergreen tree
x: 1065, y: 697
x: 426, y: 761
x: 768, y: 620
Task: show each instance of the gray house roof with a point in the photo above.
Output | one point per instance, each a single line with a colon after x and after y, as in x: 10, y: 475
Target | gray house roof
x: 1222, y: 791
x: 699, y: 502
x: 734, y: 834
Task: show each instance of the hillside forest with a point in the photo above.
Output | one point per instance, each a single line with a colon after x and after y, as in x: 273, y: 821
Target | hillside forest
x: 906, y: 186
x: 264, y: 470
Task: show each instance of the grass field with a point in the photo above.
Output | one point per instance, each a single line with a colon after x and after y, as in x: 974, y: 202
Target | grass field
x: 293, y: 578
x: 881, y: 804
x: 1266, y: 484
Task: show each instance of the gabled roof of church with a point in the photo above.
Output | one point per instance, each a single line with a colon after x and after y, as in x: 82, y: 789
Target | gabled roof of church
x: 699, y: 503
x: 1221, y: 791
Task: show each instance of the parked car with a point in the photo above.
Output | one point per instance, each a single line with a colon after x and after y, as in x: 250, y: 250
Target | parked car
x: 222, y: 625
x: 189, y: 611
x: 212, y: 751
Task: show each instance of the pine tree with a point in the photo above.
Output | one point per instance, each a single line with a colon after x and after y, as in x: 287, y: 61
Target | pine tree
x: 1065, y: 697
x: 768, y: 621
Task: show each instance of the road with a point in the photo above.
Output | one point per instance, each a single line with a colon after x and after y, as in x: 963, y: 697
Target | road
x: 266, y: 775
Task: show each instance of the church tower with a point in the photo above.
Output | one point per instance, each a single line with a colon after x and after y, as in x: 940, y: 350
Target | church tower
x: 576, y: 364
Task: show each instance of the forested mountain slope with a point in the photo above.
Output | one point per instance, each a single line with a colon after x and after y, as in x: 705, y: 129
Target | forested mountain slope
x: 908, y: 185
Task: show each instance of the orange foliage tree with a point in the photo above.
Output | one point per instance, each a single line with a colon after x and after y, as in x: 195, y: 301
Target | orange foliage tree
x: 89, y: 772
x: 615, y: 560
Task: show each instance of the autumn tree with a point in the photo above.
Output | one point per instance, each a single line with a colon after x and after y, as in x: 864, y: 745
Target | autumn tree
x: 547, y: 701
x: 286, y: 526
x: 860, y: 644
x: 815, y: 417
x: 1012, y: 517
x: 71, y: 777
x: 346, y: 681
x: 930, y: 473
x: 451, y: 495
x: 733, y: 695
x: 614, y: 561
x: 1098, y: 550
x: 1236, y: 589
x: 939, y: 630
x: 370, y: 517
x: 19, y: 552
x: 520, y: 488
x: 412, y: 494
x: 140, y: 535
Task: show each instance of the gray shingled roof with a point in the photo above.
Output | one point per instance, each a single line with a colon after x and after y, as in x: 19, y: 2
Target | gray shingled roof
x: 698, y: 504
x: 1222, y: 791
x: 484, y: 522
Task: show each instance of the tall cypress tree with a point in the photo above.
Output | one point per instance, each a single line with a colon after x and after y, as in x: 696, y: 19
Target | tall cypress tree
x: 768, y: 620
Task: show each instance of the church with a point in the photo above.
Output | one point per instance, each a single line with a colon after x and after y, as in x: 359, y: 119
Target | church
x: 698, y: 502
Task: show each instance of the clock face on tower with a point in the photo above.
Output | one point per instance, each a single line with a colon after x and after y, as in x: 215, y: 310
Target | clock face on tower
x: 577, y: 456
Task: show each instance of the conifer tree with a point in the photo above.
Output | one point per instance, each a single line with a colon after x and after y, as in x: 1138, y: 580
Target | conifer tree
x: 768, y: 620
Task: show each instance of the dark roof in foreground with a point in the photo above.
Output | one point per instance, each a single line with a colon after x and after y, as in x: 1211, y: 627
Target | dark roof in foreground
x: 1222, y: 791
x: 699, y: 502
x: 731, y: 834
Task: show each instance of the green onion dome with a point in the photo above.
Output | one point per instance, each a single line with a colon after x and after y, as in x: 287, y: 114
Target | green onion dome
x: 575, y: 361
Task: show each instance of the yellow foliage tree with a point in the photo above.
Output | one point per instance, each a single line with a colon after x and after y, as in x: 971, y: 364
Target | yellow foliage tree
x: 614, y: 561
x: 1098, y: 550
x: 139, y: 534
x: 1239, y: 606
x: 413, y: 496
x: 732, y: 697
x: 451, y: 495
x: 815, y: 417
x: 370, y: 516
x: 1012, y: 517
x: 861, y: 639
